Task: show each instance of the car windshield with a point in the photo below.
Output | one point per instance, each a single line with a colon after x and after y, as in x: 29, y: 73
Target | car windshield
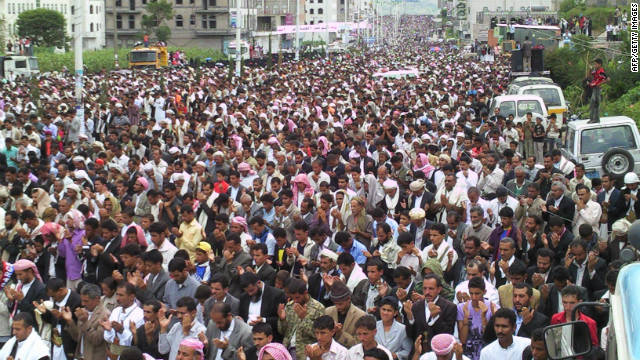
x: 571, y: 137
x: 550, y: 96
x: 143, y: 56
x: 600, y: 140
x: 507, y: 108
x: 525, y: 106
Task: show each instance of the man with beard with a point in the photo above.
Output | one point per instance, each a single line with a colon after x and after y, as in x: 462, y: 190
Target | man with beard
x: 259, y: 301
x: 432, y: 316
x: 544, y: 177
x: 227, y: 333
x: 491, y: 177
x: 531, y: 205
x: 343, y: 312
x: 295, y: 319
x: 531, y: 238
x: 507, y: 346
x: 527, y: 318
x: 539, y: 274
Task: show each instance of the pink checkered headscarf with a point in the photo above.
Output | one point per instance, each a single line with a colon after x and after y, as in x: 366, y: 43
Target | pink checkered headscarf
x: 277, y: 350
x: 194, y: 344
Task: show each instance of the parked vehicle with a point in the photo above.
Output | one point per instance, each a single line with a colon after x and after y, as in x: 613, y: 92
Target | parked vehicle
x: 519, y: 106
x: 12, y: 66
x: 149, y: 57
x: 609, y: 147
x: 550, y: 93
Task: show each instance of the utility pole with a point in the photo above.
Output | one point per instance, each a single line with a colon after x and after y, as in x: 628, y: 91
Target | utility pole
x: 115, y: 35
x: 326, y: 24
x: 238, y: 44
x: 77, y: 44
x: 297, y: 44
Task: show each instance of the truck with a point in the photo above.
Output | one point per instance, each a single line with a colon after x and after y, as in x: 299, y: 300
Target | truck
x: 244, y: 54
x: 12, y: 66
x: 611, y: 146
x: 149, y: 57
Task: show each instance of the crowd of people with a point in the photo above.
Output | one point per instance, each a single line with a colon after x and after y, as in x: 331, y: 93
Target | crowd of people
x: 307, y: 211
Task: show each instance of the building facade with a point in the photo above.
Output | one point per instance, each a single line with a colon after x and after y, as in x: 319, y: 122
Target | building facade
x: 196, y: 23
x: 92, y: 23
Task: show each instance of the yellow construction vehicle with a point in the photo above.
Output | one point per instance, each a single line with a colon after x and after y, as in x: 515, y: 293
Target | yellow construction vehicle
x: 149, y: 57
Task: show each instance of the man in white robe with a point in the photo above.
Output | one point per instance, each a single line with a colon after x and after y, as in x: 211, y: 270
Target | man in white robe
x: 26, y: 344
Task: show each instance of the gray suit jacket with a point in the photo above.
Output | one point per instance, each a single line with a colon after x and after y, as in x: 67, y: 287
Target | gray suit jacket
x: 233, y: 302
x: 240, y: 336
x: 155, y: 288
x: 143, y: 207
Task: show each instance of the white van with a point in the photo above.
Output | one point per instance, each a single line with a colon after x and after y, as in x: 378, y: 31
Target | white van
x: 519, y: 106
x: 552, y: 96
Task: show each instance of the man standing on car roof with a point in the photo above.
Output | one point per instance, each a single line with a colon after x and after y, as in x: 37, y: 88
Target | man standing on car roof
x: 598, y: 77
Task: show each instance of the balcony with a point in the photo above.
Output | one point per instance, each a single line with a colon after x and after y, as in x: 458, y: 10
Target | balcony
x: 124, y: 10
x: 214, y: 32
x: 122, y: 32
x: 213, y: 9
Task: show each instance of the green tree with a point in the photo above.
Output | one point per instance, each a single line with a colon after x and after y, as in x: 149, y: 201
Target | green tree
x: 157, y: 13
x: 45, y: 27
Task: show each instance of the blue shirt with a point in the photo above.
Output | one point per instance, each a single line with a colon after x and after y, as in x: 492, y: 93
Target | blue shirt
x: 11, y: 153
x: 357, y: 251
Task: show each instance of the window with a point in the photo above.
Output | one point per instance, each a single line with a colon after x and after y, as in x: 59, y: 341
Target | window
x: 507, y: 108
x: 192, y: 19
x: 118, y: 3
x: 179, y: 21
x: 132, y: 4
x: 311, y: 11
x: 525, y: 106
x: 73, y: 9
x: 91, y: 27
x: 91, y: 9
x: 132, y: 21
x: 320, y: 11
x: 212, y: 3
x: 38, y: 4
x: 550, y: 96
x: 73, y: 28
x: 119, y: 21
x: 212, y: 22
x: 600, y: 140
x: 192, y: 2
x: 178, y: 2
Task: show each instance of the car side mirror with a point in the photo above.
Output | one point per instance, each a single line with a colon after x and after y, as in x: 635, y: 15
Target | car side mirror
x: 568, y: 340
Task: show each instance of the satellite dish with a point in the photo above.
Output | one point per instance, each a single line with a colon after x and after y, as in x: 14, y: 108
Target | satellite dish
x: 634, y: 234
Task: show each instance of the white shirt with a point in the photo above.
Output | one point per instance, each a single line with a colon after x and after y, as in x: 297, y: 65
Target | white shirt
x: 441, y: 256
x: 589, y: 215
x: 336, y: 352
x: 356, y: 352
x: 491, y: 294
x: 25, y: 287
x: 58, y: 351
x: 131, y: 314
x: 255, y: 308
x: 513, y: 352
x: 225, y: 334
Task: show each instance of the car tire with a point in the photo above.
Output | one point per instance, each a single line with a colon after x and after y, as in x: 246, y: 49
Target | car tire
x: 617, y: 162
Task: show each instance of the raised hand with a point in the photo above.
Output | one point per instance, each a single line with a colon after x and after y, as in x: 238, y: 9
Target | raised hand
x: 282, y: 314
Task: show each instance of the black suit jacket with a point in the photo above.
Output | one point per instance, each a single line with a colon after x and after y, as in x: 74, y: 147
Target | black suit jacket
x: 271, y: 298
x: 427, y: 198
x: 106, y: 265
x: 561, y: 250
x: 444, y: 325
x: 267, y: 274
x: 549, y: 306
x: 539, y: 320
x: 68, y: 342
x: 425, y: 235
x: 592, y: 284
x: 616, y: 208
x: 566, y: 209
x: 37, y: 292
x: 238, y: 194
x: 501, y: 280
x: 317, y: 292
